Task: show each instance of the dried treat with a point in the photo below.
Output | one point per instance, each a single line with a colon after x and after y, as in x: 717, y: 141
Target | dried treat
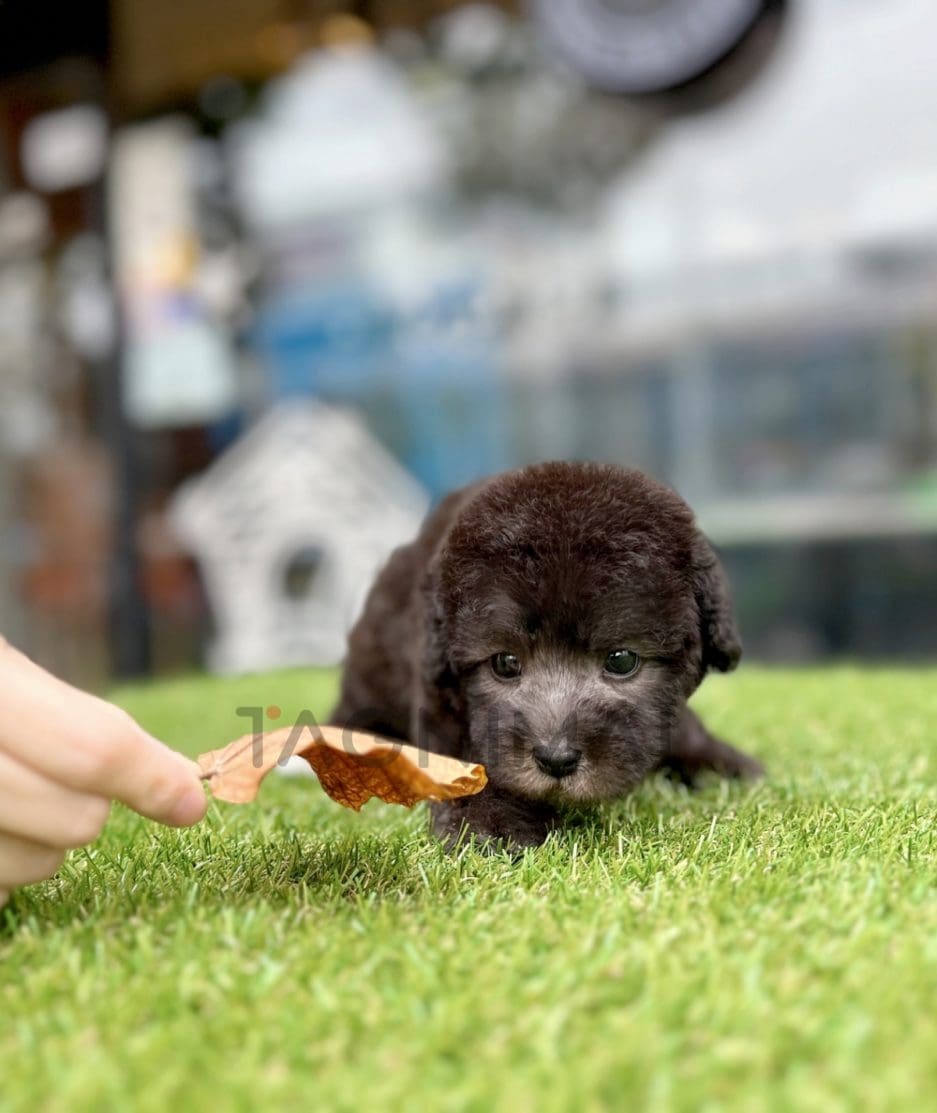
x: 353, y: 766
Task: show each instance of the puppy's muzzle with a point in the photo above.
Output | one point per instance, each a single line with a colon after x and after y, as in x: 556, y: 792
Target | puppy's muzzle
x: 557, y: 761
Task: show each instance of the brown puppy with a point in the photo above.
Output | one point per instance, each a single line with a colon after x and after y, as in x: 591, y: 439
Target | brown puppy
x: 550, y: 623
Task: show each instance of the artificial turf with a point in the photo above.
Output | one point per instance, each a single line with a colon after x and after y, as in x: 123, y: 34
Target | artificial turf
x: 734, y: 948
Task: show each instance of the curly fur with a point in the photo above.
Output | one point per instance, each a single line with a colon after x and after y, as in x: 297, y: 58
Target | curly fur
x: 557, y: 564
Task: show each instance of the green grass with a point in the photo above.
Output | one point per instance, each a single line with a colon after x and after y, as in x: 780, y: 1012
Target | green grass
x: 767, y: 948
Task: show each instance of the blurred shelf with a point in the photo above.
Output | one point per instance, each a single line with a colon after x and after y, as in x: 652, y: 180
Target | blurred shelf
x: 807, y: 518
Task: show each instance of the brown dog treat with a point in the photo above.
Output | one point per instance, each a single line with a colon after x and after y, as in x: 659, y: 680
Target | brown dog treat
x: 353, y: 766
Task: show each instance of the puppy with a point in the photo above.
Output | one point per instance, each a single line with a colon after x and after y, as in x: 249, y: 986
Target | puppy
x: 550, y: 623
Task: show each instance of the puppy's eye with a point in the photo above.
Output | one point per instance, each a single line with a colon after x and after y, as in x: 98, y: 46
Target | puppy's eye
x: 622, y: 662
x: 505, y: 666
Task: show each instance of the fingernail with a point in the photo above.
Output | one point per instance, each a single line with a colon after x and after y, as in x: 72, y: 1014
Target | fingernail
x: 190, y: 808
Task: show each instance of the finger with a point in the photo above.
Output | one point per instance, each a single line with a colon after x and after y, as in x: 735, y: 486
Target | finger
x: 86, y: 744
x: 22, y: 861
x: 41, y: 810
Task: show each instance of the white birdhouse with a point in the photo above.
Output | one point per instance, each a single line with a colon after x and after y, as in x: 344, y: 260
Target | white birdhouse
x: 290, y: 526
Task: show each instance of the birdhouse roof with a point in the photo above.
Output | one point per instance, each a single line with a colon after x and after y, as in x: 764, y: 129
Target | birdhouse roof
x: 303, y: 465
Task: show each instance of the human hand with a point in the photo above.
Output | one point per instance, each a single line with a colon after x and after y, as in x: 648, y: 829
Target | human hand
x: 64, y: 756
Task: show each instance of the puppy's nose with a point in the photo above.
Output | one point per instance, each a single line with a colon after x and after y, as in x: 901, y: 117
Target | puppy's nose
x: 557, y: 762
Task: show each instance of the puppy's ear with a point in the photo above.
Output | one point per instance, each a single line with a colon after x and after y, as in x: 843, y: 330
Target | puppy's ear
x: 435, y: 666
x: 437, y: 704
x: 722, y: 645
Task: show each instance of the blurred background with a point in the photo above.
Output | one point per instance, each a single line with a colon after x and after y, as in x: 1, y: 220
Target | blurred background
x: 276, y: 274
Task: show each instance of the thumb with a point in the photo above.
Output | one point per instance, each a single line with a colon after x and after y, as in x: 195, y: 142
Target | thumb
x: 154, y: 780
x: 82, y: 742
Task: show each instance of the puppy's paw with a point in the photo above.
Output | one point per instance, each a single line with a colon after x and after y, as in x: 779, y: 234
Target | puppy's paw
x: 720, y: 760
x: 743, y: 767
x: 693, y: 751
x: 494, y: 824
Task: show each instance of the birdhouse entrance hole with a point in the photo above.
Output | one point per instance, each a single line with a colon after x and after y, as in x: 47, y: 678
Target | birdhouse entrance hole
x: 302, y: 571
